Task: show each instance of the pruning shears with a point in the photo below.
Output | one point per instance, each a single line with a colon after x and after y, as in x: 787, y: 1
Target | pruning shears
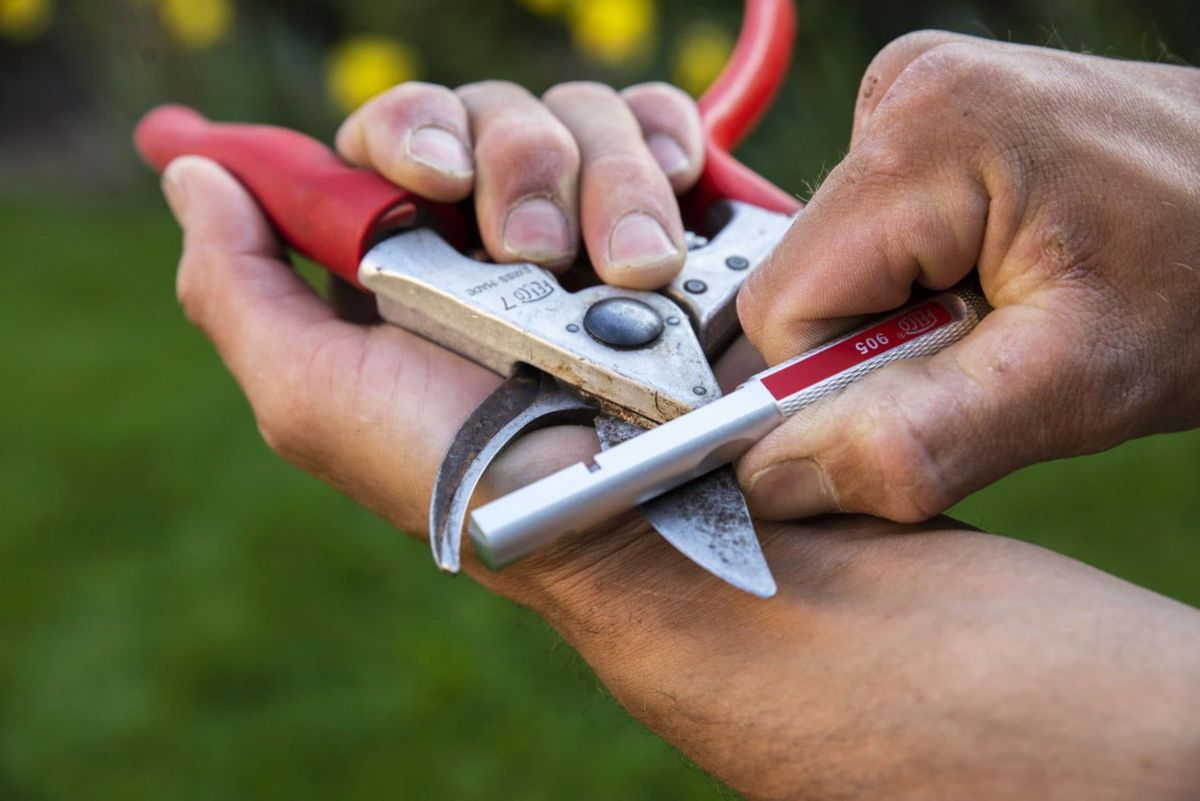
x: 634, y: 363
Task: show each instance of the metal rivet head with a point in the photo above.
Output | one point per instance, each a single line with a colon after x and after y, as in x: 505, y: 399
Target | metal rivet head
x: 700, y: 390
x: 672, y: 320
x: 623, y: 323
x: 572, y: 328
x: 737, y: 262
x: 695, y: 286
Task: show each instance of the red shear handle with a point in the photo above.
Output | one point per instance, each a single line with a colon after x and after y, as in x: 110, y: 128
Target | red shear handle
x: 738, y: 99
x: 328, y: 211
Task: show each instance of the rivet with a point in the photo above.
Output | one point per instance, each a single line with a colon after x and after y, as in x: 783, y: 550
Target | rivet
x: 623, y: 322
x: 695, y: 286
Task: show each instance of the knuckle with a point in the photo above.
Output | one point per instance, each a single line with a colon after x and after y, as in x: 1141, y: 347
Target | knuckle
x: 950, y: 63
x: 525, y: 144
x: 284, y: 424
x: 881, y: 159
x: 947, y: 75
x: 276, y: 435
x: 425, y: 87
x: 419, y: 97
x: 891, y: 59
x: 580, y: 90
x: 910, y: 484
x: 408, y: 102
x: 287, y: 439
x: 190, y: 291
x: 911, y: 42
x: 750, y: 311
x: 763, y: 301
x: 1071, y: 243
x: 409, y: 90
x: 659, y: 91
x: 631, y: 168
x: 490, y: 87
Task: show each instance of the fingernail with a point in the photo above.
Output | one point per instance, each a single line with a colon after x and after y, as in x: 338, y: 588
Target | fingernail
x: 175, y: 190
x: 638, y: 240
x: 537, y: 230
x: 790, y: 490
x: 668, y: 153
x: 441, y: 150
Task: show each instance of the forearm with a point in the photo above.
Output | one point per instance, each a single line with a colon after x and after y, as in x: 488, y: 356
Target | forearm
x: 899, y: 662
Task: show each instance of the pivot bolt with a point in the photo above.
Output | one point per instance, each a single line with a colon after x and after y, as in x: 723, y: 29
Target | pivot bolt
x: 623, y: 323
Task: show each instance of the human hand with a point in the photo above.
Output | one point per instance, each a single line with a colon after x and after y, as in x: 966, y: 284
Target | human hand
x: 583, y: 160
x: 370, y: 409
x: 898, y: 661
x: 1073, y: 183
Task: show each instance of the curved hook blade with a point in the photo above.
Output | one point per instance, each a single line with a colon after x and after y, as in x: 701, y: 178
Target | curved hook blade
x: 526, y: 401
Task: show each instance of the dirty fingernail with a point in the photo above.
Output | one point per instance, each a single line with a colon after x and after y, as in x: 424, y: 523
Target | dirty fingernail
x: 175, y: 190
x: 639, y: 240
x: 790, y: 490
x: 668, y: 153
x: 441, y: 150
x: 537, y: 230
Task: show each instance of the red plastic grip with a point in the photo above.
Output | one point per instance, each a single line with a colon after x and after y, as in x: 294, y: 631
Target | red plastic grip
x: 323, y: 208
x: 736, y: 102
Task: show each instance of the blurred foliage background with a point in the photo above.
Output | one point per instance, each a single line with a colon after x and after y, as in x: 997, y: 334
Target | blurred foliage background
x: 182, y: 615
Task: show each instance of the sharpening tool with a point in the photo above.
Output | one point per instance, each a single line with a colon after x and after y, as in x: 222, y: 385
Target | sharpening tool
x: 582, y: 496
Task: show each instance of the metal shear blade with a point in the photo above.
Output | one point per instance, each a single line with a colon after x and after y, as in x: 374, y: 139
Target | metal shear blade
x: 526, y: 401
x: 706, y: 520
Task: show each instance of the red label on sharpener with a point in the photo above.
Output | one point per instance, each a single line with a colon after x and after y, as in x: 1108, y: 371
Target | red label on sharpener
x: 856, y: 349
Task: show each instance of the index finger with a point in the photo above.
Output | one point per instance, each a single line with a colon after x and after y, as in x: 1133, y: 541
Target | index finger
x: 904, y: 207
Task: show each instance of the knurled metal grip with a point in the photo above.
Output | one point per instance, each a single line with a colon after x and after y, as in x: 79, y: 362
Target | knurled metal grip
x: 919, y: 330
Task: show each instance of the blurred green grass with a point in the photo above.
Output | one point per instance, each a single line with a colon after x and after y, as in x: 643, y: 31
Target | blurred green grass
x: 183, y: 615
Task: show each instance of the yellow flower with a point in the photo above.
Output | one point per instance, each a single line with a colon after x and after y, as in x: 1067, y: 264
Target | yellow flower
x: 545, y: 8
x: 197, y: 24
x: 702, y: 55
x: 25, y: 20
x: 613, y: 31
x: 363, y: 66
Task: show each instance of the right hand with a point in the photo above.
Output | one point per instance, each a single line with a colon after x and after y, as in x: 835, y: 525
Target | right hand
x: 1073, y: 183
x: 583, y: 160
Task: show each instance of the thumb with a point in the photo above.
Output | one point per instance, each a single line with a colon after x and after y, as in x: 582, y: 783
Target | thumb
x: 912, y: 439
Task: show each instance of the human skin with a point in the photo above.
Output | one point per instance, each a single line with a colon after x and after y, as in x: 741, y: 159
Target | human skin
x: 919, y: 661
x: 1073, y: 183
x: 584, y: 162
